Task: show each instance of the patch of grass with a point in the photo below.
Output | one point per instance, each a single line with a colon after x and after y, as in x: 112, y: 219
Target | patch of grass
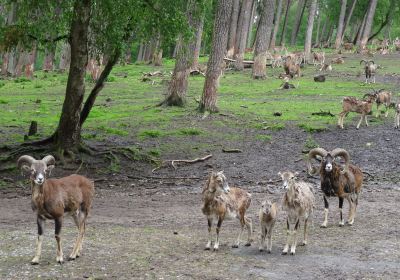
x: 114, y: 131
x: 190, y: 131
x: 155, y: 153
x: 310, y: 143
x: 150, y: 133
x: 312, y: 128
x: 21, y: 80
x: 111, y: 79
x: 263, y: 137
x: 3, y: 101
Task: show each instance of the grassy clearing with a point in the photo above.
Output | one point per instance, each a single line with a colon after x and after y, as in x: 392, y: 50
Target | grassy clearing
x: 125, y: 108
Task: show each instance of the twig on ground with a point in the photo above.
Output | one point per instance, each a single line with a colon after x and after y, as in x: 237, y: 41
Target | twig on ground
x: 231, y: 150
x: 174, y: 161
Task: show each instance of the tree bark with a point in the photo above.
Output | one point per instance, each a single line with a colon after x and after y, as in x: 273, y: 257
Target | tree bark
x: 9, y: 56
x: 321, y: 36
x: 348, y: 18
x: 368, y: 23
x: 199, y: 34
x: 233, y: 29
x: 283, y: 35
x: 30, y: 65
x: 392, y: 9
x: 318, y: 30
x: 310, y: 25
x: 277, y: 20
x: 262, y: 39
x: 361, y: 29
x: 49, y: 55
x: 185, y: 57
x: 208, y: 100
x: 339, y: 33
x: 68, y: 134
x: 246, y: 8
x: 140, y: 53
x: 250, y: 25
x: 301, y: 5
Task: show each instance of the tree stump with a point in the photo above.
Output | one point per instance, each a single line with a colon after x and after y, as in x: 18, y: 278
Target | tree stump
x: 32, y: 128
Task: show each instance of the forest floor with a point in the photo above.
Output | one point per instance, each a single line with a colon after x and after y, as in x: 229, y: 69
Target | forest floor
x: 148, y: 225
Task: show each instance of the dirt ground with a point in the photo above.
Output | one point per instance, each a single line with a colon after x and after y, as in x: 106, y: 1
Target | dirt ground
x: 150, y: 226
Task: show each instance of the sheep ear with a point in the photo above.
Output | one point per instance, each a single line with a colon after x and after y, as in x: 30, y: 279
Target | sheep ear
x: 279, y: 173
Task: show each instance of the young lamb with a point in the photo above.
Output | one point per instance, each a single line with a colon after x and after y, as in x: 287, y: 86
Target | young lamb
x: 52, y: 198
x: 298, y: 202
x: 352, y: 104
x: 344, y: 183
x: 222, y: 201
x: 267, y: 216
x: 318, y: 58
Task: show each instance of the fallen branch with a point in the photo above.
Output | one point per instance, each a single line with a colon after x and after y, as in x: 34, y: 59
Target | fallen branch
x: 322, y: 113
x: 165, y: 178
x: 231, y: 150
x: 174, y: 161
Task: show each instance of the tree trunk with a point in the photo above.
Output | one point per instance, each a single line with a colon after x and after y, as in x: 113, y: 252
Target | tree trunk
x: 98, y: 86
x: 321, y: 36
x: 246, y: 8
x: 250, y: 25
x: 140, y: 53
x: 233, y: 29
x: 392, y: 9
x: 147, y: 52
x: 184, y: 61
x: 9, y: 57
x: 310, y: 25
x: 368, y: 24
x: 318, y: 30
x: 208, y: 100
x: 348, y: 18
x: 283, y: 35
x: 199, y: 34
x: 68, y: 134
x: 277, y: 20
x: 65, y: 58
x: 339, y: 33
x: 301, y: 5
x: 262, y: 39
x: 330, y: 35
x: 361, y: 29
x: 30, y: 65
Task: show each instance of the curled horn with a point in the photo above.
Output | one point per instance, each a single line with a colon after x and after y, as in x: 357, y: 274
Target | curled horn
x: 25, y: 160
x: 314, y: 152
x: 49, y: 160
x: 342, y: 153
x: 363, y: 61
x: 371, y: 61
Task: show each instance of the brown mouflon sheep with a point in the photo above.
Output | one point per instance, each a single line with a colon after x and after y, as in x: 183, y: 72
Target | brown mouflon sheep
x: 345, y: 184
x: 298, y: 202
x: 52, y: 198
x: 352, y: 104
x: 222, y: 201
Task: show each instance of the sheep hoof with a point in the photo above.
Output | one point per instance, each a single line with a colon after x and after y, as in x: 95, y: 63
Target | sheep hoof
x: 292, y: 253
x: 247, y: 244
x: 207, y: 249
x: 284, y: 253
x: 303, y: 244
x: 215, y: 249
x: 261, y: 249
x: 71, y: 258
x: 34, y: 262
x: 323, y: 226
x: 269, y: 251
x: 235, y: 246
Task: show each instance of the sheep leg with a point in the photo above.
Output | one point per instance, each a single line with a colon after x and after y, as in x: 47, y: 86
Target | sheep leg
x: 377, y: 110
x: 58, y: 226
x: 326, y: 211
x: 352, y: 201
x: 216, y: 245
x: 341, y: 119
x: 210, y: 222
x: 288, y: 238
x: 40, y: 224
x: 249, y: 227
x: 269, y: 240
x: 366, y: 120
x: 294, y: 238
x: 242, y: 224
x: 341, y: 223
x: 359, y: 123
x: 397, y: 120
x: 387, y: 111
x: 80, y: 222
x: 262, y: 238
x: 305, y: 232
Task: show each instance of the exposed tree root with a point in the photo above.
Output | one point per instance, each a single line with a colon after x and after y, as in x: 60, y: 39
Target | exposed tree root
x: 173, y: 162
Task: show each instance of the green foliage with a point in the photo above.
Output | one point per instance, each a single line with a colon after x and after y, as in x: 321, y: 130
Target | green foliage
x: 310, y: 143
